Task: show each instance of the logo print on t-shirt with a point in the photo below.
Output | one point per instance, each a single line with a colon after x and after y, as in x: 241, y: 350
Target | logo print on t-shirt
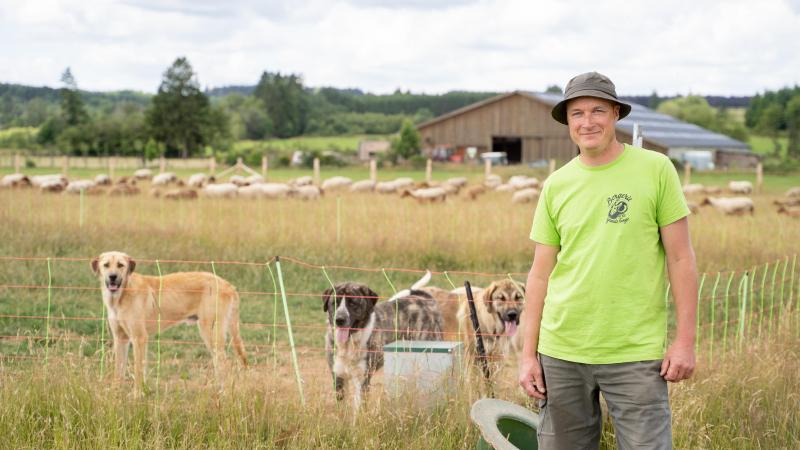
x: 618, y: 205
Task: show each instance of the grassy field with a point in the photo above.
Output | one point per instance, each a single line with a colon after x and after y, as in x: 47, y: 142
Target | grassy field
x: 54, y: 349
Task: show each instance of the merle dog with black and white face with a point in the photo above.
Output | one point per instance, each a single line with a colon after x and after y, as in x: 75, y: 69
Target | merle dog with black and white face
x: 359, y: 327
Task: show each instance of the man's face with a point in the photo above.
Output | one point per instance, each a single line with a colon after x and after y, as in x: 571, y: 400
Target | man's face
x: 592, y: 122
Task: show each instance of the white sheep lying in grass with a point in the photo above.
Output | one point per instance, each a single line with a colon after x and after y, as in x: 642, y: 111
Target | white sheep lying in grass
x: 222, y: 190
x: 302, y: 181
x: 433, y: 194
x: 265, y: 190
x: 693, y: 189
x: 523, y: 182
x: 75, y: 187
x: 102, y: 180
x: 39, y: 180
x: 238, y: 180
x: 390, y: 187
x: 306, y: 192
x: 336, y: 183
x: 457, y: 181
x: 254, y: 179
x: 492, y: 181
x: 143, y: 174
x: 197, y: 180
x: 740, y: 187
x: 164, y: 179
x: 505, y: 187
x: 733, y: 206
x: 793, y: 192
x: 363, y: 186
x: 15, y: 180
x: 525, y: 195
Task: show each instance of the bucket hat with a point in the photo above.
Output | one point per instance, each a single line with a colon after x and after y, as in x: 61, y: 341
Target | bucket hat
x: 589, y: 84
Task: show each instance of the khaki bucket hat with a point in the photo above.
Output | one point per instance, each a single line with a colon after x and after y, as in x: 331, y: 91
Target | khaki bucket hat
x: 589, y: 84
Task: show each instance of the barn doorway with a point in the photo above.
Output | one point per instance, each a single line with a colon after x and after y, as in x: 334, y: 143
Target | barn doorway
x: 511, y: 145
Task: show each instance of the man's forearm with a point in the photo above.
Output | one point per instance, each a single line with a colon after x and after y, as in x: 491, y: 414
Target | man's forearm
x: 683, y: 279
x: 536, y: 290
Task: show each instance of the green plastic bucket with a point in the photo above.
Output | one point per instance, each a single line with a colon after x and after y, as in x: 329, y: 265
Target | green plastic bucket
x: 504, y: 425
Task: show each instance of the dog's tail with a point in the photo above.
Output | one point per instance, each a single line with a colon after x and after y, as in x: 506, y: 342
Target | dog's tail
x: 236, y: 337
x: 422, y: 282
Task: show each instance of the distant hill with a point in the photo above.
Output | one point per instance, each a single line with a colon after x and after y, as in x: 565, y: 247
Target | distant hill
x: 716, y: 101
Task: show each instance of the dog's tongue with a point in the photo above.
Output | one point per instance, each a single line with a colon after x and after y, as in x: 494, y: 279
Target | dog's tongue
x: 511, y: 327
x: 342, y: 334
x: 113, y: 288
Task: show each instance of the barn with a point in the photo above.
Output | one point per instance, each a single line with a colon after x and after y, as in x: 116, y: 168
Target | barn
x: 519, y: 124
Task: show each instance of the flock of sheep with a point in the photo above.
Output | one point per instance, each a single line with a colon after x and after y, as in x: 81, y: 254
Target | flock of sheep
x: 523, y: 189
x: 740, y: 205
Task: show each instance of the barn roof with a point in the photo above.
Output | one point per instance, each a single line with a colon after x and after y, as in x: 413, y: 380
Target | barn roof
x: 658, y: 128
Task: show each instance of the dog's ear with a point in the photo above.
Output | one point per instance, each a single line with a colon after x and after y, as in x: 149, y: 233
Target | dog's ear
x: 326, y: 297
x: 131, y: 265
x: 368, y: 295
x: 487, y: 297
x: 96, y: 265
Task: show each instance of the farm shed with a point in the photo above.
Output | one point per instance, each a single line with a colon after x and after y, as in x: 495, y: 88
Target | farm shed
x: 370, y: 149
x: 519, y: 123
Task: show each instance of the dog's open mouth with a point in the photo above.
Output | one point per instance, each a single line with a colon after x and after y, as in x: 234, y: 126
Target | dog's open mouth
x: 511, y: 327
x: 342, y: 334
x: 114, y: 285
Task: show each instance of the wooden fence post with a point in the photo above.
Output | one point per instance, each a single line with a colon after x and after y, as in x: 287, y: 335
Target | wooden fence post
x: 429, y: 170
x: 759, y: 177
x: 316, y: 171
x: 487, y: 167
x: 687, y: 173
x: 373, y: 170
x: 212, y: 165
x: 264, y: 166
x: 551, y: 167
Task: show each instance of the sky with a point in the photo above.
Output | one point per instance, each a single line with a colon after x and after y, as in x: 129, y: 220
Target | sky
x: 710, y: 47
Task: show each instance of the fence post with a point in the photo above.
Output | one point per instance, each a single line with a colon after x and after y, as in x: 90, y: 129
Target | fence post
x: 759, y: 177
x: 212, y: 165
x: 373, y: 170
x: 487, y: 167
x: 428, y: 170
x: 316, y: 172
x: 551, y: 167
x: 289, y: 329
x: 264, y: 166
x: 687, y: 173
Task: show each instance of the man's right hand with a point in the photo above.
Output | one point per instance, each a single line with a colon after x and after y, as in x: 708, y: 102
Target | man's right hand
x: 531, y: 378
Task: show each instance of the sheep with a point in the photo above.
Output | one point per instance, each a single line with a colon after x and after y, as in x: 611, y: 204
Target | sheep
x: 403, y: 182
x: 15, y: 180
x: 791, y: 211
x: 793, y: 192
x: 222, y: 190
x: 457, y: 181
x: 198, y: 180
x: 390, y: 187
x: 143, y: 174
x: 788, y: 202
x: 473, y: 192
x: 451, y: 189
x: 180, y: 194
x: 504, y: 188
x: 123, y: 189
x: 52, y: 185
x: 164, y: 179
x: 694, y: 208
x: 252, y: 191
x: 363, y: 186
x: 275, y: 190
x: 75, y: 187
x: 38, y: 180
x: 336, y: 183
x: 302, y: 181
x: 740, y: 187
x: 525, y: 195
x: 102, y: 180
x: 730, y: 205
x: 307, y: 192
x: 434, y: 194
x: 692, y: 189
x: 523, y: 182
x: 238, y: 180
x: 492, y: 181
x: 254, y: 179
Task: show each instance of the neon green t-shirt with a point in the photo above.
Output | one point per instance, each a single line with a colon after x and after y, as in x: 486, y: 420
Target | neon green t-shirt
x: 605, y: 300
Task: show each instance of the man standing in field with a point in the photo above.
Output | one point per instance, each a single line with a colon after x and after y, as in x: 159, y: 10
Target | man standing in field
x: 595, y: 315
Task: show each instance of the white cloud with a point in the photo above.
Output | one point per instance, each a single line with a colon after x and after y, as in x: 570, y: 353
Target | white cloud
x: 731, y: 47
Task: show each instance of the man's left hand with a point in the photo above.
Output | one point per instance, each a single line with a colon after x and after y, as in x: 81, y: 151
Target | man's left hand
x: 678, y: 362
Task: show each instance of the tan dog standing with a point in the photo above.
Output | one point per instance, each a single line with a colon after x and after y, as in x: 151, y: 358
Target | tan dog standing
x: 137, y: 305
